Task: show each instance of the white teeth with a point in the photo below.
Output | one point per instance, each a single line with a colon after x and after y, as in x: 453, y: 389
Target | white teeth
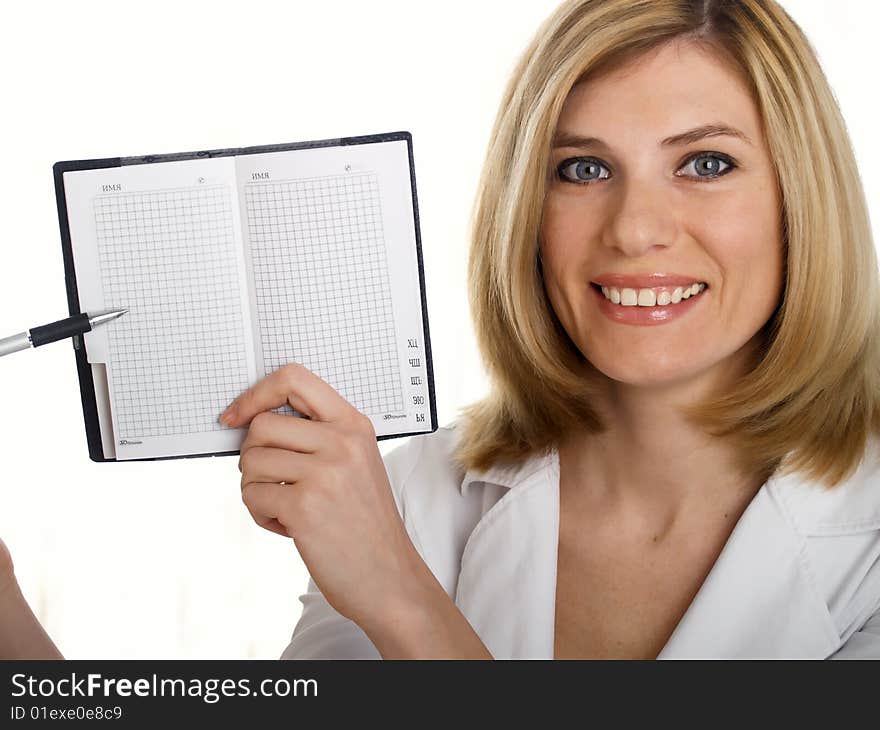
x: 649, y: 297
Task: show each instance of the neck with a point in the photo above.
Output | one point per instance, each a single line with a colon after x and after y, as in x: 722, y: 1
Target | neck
x: 651, y: 461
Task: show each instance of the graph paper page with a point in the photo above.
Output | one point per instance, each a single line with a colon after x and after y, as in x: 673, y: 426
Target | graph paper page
x: 330, y: 245
x: 164, y: 241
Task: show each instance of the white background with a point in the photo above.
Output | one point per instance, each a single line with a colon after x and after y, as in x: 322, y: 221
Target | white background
x: 161, y: 559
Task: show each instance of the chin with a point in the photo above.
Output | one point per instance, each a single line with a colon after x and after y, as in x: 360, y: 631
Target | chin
x: 649, y: 373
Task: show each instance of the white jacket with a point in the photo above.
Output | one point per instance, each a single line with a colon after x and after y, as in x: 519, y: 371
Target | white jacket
x: 799, y: 576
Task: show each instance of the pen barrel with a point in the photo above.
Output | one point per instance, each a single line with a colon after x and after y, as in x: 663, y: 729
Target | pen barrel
x: 14, y: 343
x: 75, y: 325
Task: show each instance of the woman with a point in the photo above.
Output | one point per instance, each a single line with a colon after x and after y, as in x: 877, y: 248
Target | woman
x: 675, y: 294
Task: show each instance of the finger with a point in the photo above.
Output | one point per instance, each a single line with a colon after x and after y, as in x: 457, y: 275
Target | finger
x: 296, y: 385
x: 267, y: 502
x: 275, y: 526
x: 283, y: 432
x: 268, y: 523
x: 265, y: 464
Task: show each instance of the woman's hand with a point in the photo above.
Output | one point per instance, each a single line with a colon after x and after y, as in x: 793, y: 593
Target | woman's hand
x: 21, y: 635
x: 335, y: 501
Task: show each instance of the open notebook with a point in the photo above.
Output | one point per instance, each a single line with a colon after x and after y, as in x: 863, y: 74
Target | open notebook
x: 232, y: 263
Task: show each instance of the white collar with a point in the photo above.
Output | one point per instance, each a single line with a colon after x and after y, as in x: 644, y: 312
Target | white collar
x: 852, y: 506
x: 512, y: 475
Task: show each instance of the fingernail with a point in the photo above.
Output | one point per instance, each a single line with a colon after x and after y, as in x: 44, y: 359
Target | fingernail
x: 227, y: 418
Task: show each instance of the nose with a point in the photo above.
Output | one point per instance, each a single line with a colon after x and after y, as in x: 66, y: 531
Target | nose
x: 643, y: 220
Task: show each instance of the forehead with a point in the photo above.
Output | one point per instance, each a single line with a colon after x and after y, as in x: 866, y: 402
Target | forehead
x: 672, y: 88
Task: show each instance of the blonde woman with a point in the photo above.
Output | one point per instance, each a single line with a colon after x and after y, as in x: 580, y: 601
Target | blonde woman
x: 675, y: 293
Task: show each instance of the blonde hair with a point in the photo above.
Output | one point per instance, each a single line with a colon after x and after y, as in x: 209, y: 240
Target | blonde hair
x: 811, y: 401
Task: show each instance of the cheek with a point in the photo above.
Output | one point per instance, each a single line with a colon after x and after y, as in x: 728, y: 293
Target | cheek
x: 562, y: 249
x: 743, y: 235
x: 565, y: 231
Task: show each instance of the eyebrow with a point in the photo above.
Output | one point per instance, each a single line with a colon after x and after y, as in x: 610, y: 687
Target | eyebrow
x: 569, y: 139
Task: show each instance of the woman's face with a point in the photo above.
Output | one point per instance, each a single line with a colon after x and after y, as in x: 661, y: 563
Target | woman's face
x: 704, y: 211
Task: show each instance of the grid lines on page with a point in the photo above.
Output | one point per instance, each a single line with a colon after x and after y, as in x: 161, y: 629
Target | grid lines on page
x: 178, y: 356
x: 321, y: 285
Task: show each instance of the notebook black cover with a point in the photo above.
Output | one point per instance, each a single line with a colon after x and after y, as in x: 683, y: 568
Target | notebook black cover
x: 84, y: 370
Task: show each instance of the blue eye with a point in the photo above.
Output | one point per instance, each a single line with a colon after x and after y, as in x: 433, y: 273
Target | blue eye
x: 711, y: 164
x: 580, y: 170
x: 580, y: 167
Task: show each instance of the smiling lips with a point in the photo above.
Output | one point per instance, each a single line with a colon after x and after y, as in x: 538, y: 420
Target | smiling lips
x: 648, y: 290
x: 656, y: 296
x: 650, y: 299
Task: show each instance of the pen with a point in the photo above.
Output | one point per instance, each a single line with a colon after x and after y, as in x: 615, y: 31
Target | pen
x: 75, y: 325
